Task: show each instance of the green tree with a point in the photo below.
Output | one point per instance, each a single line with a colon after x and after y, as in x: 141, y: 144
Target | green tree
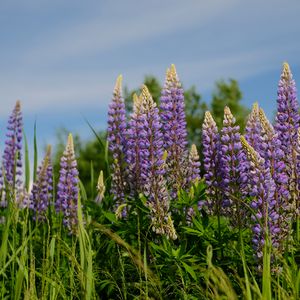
x: 195, y: 109
x: 228, y: 94
x: 153, y: 86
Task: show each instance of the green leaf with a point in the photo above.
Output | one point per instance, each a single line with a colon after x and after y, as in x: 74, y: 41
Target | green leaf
x: 190, y: 270
x: 110, y: 216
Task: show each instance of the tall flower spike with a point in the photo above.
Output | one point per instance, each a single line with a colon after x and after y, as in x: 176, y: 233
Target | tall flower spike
x: 152, y: 167
x: 174, y: 130
x: 41, y: 193
x: 286, y: 125
x: 233, y: 168
x: 12, y: 157
x: 116, y: 136
x: 274, y: 161
x: 211, y: 158
x: 265, y: 218
x: 136, y: 144
x: 67, y: 188
x: 194, y: 165
x: 253, y: 128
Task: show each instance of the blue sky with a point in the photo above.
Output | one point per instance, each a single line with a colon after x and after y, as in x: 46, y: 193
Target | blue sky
x: 61, y: 58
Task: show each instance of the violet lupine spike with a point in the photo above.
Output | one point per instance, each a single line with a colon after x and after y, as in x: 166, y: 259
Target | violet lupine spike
x: 67, y: 188
x: 153, y: 167
x: 253, y: 128
x: 211, y: 158
x: 194, y: 165
x: 233, y: 164
x: 274, y: 161
x: 41, y: 193
x: 116, y: 136
x: 286, y: 125
x: 265, y: 219
x: 298, y: 166
x: 12, y: 158
x: 174, y: 130
x: 136, y: 144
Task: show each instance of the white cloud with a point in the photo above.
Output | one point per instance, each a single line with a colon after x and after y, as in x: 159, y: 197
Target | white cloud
x: 122, y: 24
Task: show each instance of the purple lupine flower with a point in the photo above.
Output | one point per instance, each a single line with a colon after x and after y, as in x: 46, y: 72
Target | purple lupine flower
x: 211, y: 158
x: 265, y: 217
x: 253, y: 129
x: 153, y: 167
x: 116, y: 136
x: 174, y: 130
x: 286, y: 125
x: 298, y: 166
x: 274, y: 160
x: 136, y: 145
x: 67, y: 188
x: 11, y: 170
x: 41, y: 193
x: 194, y: 166
x: 233, y: 164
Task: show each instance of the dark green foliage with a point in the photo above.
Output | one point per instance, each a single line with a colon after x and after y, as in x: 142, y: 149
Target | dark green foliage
x: 154, y: 88
x: 228, y: 94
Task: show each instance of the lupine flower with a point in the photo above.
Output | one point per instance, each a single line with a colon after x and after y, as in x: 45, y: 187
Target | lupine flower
x: 41, y: 193
x: 286, y: 125
x: 100, y: 188
x: 253, y: 129
x: 153, y: 167
x: 211, y: 158
x: 298, y: 165
x: 116, y: 135
x: 12, y: 158
x: 233, y: 168
x: 274, y: 161
x: 67, y: 188
x: 174, y: 130
x: 263, y: 187
x: 194, y: 165
x: 136, y: 146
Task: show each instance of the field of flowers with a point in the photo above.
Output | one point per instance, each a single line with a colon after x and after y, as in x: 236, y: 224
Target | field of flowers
x: 170, y: 221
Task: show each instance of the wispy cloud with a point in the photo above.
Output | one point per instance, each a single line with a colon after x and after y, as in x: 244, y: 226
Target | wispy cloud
x: 123, y: 23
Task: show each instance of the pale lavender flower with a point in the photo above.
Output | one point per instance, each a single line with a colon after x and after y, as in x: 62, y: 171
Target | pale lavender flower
x: 174, y: 130
x: 274, y: 161
x: 42, y: 188
x: 11, y: 170
x: 153, y: 167
x: 67, y: 188
x: 211, y: 158
x: 253, y: 129
x: 136, y: 146
x: 265, y: 217
x: 194, y: 166
x: 116, y: 136
x: 233, y: 165
x: 286, y: 126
